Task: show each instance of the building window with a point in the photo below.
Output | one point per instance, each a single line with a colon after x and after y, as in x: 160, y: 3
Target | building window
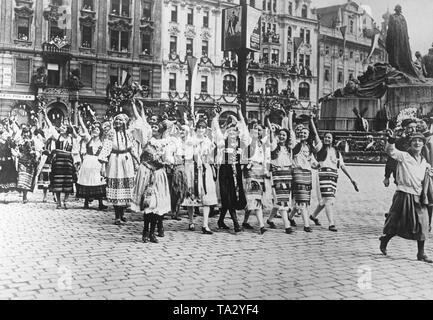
x: 307, y: 37
x: 265, y: 56
x: 172, y: 82
x: 275, y: 58
x: 114, y: 76
x: 190, y: 17
x: 271, y: 86
x: 145, y: 78
x: 326, y: 50
x: 327, y: 74
x: 253, y: 115
x: 351, y: 23
x: 189, y: 47
x: 307, y: 60
x: 289, y: 58
x: 173, y: 13
x: 301, y: 59
x: 86, y: 37
x: 22, y: 70
x: 87, y: 75
x: 229, y: 84
x: 206, y: 19
x: 269, y: 5
x: 274, y: 5
x: 204, y: 84
x: 304, y: 91
x: 351, y: 54
x: 53, y: 77
x: 340, y: 77
x: 119, y: 41
x: 304, y: 12
x: 263, y: 28
x: 23, y: 29
x: 187, y: 83
x: 120, y: 7
x: 55, y: 31
x: 147, y: 10
x: 289, y: 86
x: 302, y: 34
x: 290, y: 8
x: 88, y: 5
x: 146, y: 43
x: 173, y: 44
x: 205, y: 48
x: 264, y: 5
x: 250, y: 87
x: 289, y: 33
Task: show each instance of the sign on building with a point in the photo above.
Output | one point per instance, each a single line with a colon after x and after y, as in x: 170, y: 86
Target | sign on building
x: 23, y: 97
x: 241, y: 28
x: 7, y: 76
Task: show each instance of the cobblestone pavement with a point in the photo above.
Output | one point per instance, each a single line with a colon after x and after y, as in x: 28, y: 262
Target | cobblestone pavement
x: 81, y: 254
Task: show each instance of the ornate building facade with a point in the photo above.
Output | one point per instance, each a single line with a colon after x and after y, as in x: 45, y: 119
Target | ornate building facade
x: 44, y: 43
x: 346, y: 35
x: 284, y: 69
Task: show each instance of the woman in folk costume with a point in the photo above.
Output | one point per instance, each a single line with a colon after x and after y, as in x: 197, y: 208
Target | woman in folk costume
x: 330, y: 160
x: 119, y: 158
x: 255, y: 173
x: 230, y: 145
x: 90, y: 184
x: 27, y: 163
x: 63, y: 173
x: 408, y: 217
x: 282, y: 170
x: 8, y: 172
x: 151, y: 182
x: 151, y: 192
x: 303, y: 163
x: 199, y: 173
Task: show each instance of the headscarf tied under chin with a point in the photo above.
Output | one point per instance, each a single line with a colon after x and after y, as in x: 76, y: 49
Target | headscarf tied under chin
x: 122, y: 117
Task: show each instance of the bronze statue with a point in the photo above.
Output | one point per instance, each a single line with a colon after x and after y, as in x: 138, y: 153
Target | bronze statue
x: 398, y: 47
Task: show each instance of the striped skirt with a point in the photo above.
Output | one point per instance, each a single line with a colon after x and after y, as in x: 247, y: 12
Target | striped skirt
x: 254, y: 186
x: 328, y: 182
x: 302, y: 184
x: 26, y: 172
x: 282, y: 184
x: 63, y: 173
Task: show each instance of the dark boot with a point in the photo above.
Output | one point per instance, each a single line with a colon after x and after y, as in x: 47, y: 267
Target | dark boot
x: 153, y: 221
x: 86, y: 203
x: 101, y: 205
x: 160, y: 226
x: 122, y: 214
x: 146, y: 219
x: 234, y: 217
x: 384, y: 242
x: 421, y: 256
x: 117, y: 215
x: 221, y: 224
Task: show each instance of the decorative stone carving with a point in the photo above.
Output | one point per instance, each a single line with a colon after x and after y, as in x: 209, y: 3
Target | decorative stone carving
x: 174, y: 29
x: 52, y: 13
x: 24, y: 12
x: 205, y: 34
x: 205, y: 69
x: 120, y: 25
x: 173, y: 67
x: 190, y: 31
x: 39, y: 79
x: 87, y: 21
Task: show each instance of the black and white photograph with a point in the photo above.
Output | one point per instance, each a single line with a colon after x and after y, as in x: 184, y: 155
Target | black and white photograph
x: 216, y: 154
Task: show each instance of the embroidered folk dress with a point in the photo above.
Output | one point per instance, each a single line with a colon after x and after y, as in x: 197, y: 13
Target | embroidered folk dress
x: 27, y: 165
x: 90, y: 183
x: 327, y: 176
x: 8, y: 172
x: 118, y: 154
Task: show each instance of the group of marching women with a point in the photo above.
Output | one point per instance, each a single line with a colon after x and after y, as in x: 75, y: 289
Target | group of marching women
x: 157, y: 167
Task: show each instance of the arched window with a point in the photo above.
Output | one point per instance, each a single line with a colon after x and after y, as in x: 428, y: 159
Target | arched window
x: 229, y: 84
x: 304, y: 13
x: 304, y: 91
x: 250, y: 88
x: 271, y: 86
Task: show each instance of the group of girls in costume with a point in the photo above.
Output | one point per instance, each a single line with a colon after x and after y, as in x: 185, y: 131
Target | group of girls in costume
x: 157, y: 167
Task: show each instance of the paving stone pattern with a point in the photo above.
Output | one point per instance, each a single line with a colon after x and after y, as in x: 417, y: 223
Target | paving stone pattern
x: 80, y: 254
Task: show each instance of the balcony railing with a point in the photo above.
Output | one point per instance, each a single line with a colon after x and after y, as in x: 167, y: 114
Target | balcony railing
x: 59, y: 50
